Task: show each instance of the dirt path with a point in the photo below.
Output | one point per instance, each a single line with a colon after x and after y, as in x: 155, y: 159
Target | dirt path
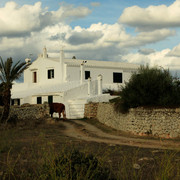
x: 84, y: 131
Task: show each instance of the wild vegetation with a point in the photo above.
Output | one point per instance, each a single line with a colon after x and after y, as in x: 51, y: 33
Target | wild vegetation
x: 152, y: 87
x: 43, y: 152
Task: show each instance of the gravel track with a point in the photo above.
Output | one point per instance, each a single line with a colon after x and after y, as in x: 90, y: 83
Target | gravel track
x: 83, y: 130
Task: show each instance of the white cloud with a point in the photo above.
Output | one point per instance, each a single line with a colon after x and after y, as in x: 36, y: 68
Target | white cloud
x: 21, y: 20
x: 27, y: 29
x: 95, y: 4
x: 16, y: 20
x: 153, y: 17
x: 69, y: 12
x: 11, y: 43
x: 99, y: 41
x: 159, y: 59
x: 146, y: 51
x: 144, y: 38
x: 84, y: 37
x: 175, y: 51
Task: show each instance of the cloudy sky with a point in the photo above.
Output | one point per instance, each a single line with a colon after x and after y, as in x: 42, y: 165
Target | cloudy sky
x: 136, y: 31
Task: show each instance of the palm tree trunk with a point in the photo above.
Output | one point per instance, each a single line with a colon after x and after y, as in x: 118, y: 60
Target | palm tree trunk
x: 6, y: 101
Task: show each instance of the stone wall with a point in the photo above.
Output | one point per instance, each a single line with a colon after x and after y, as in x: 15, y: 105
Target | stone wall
x: 90, y: 110
x: 29, y: 114
x: 157, y: 122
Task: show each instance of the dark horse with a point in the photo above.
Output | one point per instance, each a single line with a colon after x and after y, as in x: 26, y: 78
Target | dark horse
x: 58, y: 108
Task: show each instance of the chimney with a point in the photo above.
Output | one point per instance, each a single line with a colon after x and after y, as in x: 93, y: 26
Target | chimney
x: 61, y: 60
x: 99, y: 78
x: 45, y: 55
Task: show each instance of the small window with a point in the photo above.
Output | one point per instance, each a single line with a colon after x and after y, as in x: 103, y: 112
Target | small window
x: 34, y: 77
x: 117, y: 77
x: 50, y: 73
x: 50, y: 99
x: 39, y: 100
x: 12, y: 102
x: 15, y: 102
x: 87, y: 74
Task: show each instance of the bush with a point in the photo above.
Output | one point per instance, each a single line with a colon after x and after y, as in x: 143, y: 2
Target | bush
x: 76, y: 165
x: 149, y: 87
x: 112, y: 92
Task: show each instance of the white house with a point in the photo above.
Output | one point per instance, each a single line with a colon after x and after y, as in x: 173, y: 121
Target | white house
x: 73, y: 82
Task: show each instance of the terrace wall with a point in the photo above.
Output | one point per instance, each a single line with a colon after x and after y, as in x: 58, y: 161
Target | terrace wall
x: 157, y: 122
x: 29, y: 114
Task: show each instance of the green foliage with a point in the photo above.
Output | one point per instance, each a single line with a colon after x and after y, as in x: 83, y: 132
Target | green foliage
x: 149, y: 87
x: 76, y: 165
x: 8, y: 73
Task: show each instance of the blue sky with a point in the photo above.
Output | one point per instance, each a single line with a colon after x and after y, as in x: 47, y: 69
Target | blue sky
x: 135, y: 31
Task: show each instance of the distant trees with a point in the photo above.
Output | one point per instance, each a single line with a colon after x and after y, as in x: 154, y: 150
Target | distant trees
x: 149, y: 87
x: 8, y: 73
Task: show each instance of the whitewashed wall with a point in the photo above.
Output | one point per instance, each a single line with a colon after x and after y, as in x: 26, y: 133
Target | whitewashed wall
x: 41, y: 66
x: 73, y: 74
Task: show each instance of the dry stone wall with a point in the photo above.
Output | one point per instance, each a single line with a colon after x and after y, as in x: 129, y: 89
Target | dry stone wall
x: 157, y: 122
x: 29, y: 114
x: 90, y: 110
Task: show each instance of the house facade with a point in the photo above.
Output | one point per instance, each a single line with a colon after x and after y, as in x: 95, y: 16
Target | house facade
x: 73, y: 82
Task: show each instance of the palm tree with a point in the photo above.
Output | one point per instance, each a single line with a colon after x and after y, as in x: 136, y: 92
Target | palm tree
x: 1, y: 101
x: 9, y: 73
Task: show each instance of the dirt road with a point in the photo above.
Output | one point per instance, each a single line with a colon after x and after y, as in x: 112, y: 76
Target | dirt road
x: 83, y: 130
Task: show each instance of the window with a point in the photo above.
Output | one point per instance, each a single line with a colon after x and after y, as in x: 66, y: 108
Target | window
x: 50, y: 73
x: 50, y: 99
x: 87, y: 74
x: 15, y: 102
x: 39, y: 100
x: 34, y: 77
x: 117, y: 77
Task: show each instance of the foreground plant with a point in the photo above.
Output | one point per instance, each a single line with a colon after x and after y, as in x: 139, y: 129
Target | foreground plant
x: 76, y: 165
x: 9, y: 73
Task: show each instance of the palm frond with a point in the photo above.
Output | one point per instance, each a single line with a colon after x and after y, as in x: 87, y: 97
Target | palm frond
x: 10, y: 72
x: 17, y: 70
x: 2, y: 71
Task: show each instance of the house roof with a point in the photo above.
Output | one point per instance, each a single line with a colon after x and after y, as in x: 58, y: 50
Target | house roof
x: 92, y: 63
x: 95, y: 63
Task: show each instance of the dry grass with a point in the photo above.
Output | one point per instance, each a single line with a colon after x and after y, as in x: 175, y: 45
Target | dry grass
x: 24, y: 152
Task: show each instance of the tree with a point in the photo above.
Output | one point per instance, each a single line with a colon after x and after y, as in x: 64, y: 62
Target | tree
x: 150, y: 87
x: 1, y: 100
x: 9, y: 73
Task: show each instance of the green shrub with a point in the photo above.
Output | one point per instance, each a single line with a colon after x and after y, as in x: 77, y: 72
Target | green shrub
x: 76, y: 165
x: 149, y: 87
